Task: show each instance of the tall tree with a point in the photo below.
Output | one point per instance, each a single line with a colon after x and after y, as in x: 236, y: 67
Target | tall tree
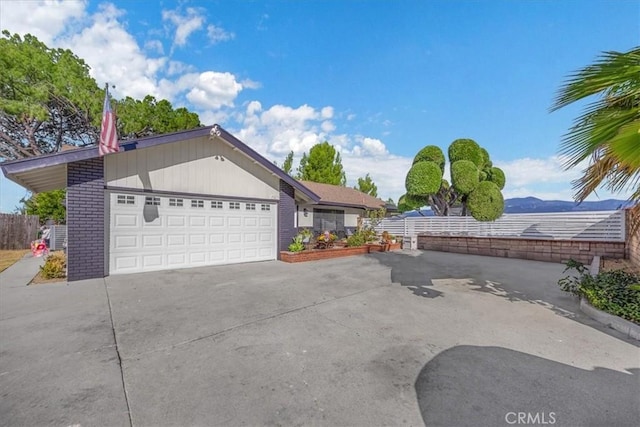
x: 475, y: 183
x: 47, y: 205
x: 287, y: 166
x: 608, y: 131
x: 137, y: 118
x: 366, y: 185
x: 47, y: 98
x: 323, y: 164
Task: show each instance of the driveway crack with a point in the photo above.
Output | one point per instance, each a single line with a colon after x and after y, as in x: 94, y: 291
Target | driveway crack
x: 115, y: 340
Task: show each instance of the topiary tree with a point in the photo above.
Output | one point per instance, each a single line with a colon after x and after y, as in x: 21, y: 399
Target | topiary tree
x: 475, y: 183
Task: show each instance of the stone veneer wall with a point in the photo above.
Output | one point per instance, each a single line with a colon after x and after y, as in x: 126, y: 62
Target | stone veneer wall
x: 85, y: 220
x: 533, y: 249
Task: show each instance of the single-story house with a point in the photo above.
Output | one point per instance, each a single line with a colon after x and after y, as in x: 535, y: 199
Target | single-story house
x: 337, y: 210
x: 191, y: 198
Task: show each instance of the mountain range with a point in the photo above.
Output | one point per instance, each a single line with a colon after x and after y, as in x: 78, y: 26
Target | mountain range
x: 535, y: 205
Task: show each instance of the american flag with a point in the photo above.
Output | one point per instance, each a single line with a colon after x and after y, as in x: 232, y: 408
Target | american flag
x: 108, y: 134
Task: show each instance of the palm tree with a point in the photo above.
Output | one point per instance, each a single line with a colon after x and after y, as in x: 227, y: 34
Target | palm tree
x: 608, y: 131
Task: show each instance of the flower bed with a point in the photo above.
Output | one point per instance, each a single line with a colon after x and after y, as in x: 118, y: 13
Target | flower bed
x: 335, y: 252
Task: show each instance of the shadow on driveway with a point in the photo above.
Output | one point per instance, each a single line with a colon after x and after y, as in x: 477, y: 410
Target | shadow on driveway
x: 515, y: 280
x: 493, y: 386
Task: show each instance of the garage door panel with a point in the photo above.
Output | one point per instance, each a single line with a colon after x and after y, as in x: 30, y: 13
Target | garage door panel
x: 152, y: 261
x: 126, y: 242
x: 152, y: 241
x: 176, y: 221
x: 197, y: 239
x: 126, y: 220
x: 216, y: 238
x: 176, y: 240
x: 176, y: 236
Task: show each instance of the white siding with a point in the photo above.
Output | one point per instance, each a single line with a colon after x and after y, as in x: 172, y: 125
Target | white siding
x: 191, y: 167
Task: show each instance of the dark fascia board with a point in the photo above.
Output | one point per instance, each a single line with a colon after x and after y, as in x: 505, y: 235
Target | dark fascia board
x: 222, y: 133
x: 346, y: 205
x: 63, y: 157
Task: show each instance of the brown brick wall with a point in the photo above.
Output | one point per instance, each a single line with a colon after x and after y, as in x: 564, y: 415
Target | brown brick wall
x: 333, y: 253
x: 534, y: 249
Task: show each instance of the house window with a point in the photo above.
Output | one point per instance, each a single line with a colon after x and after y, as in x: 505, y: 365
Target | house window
x: 216, y: 204
x: 123, y: 199
x: 328, y: 219
x: 234, y: 205
x: 176, y: 202
x: 250, y: 206
x: 152, y: 201
x: 265, y: 207
x: 197, y: 203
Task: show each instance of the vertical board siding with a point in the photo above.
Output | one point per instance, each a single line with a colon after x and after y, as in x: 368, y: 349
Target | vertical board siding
x: 85, y: 220
x: 17, y: 231
x: 585, y: 226
x: 286, y: 214
x: 198, y: 166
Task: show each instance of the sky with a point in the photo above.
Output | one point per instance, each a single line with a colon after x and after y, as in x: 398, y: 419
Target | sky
x: 377, y: 79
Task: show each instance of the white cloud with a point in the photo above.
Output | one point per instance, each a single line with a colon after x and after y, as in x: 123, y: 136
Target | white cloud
x: 185, y: 25
x: 217, y: 34
x: 525, y: 171
x: 212, y: 89
x: 155, y: 46
x: 45, y: 19
x: 115, y: 56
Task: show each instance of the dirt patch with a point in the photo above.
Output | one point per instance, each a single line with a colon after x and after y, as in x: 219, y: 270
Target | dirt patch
x: 39, y: 280
x: 607, y: 264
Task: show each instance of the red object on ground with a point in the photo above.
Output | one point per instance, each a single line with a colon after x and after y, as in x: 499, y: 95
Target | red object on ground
x: 39, y: 248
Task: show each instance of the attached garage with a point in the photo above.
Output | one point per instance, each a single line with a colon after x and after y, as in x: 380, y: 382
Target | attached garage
x: 159, y: 232
x: 193, y: 198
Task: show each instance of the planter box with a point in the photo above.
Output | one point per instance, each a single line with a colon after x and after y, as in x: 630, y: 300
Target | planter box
x: 317, y: 254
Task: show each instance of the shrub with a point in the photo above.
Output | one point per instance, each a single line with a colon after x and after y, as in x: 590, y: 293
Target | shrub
x: 616, y: 292
x: 423, y: 178
x: 486, y: 202
x: 356, y: 239
x: 296, y: 246
x: 465, y: 176
x: 431, y: 153
x: 466, y: 149
x: 54, y: 266
x: 496, y: 175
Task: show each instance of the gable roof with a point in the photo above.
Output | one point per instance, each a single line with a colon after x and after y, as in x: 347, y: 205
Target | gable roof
x: 335, y: 195
x: 49, y: 171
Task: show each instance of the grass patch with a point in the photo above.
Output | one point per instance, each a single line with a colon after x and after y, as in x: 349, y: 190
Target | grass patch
x: 9, y: 257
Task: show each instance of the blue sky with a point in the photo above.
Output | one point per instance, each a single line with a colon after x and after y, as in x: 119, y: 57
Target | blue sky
x: 378, y: 79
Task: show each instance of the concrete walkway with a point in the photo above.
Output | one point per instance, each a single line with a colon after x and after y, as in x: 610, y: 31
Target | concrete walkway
x: 405, y: 338
x: 58, y: 362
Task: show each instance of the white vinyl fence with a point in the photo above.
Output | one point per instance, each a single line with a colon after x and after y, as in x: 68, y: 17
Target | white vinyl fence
x: 607, y: 226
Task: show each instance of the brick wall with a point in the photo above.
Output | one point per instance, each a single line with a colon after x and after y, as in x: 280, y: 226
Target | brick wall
x: 85, y: 220
x: 633, y: 241
x: 286, y: 214
x: 534, y: 249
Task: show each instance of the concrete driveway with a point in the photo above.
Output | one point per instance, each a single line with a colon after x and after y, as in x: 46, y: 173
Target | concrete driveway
x: 406, y: 338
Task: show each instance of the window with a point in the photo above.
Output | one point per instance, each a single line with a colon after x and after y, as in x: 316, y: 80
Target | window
x: 197, y: 203
x: 234, y: 205
x: 265, y: 207
x: 327, y: 219
x: 123, y: 199
x: 152, y: 201
x: 216, y: 204
x: 250, y: 206
x: 176, y: 202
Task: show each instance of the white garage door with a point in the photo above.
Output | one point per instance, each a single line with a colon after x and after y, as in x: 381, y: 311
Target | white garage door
x: 150, y: 233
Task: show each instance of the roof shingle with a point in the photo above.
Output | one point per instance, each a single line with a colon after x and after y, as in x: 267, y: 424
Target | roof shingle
x: 343, y: 196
